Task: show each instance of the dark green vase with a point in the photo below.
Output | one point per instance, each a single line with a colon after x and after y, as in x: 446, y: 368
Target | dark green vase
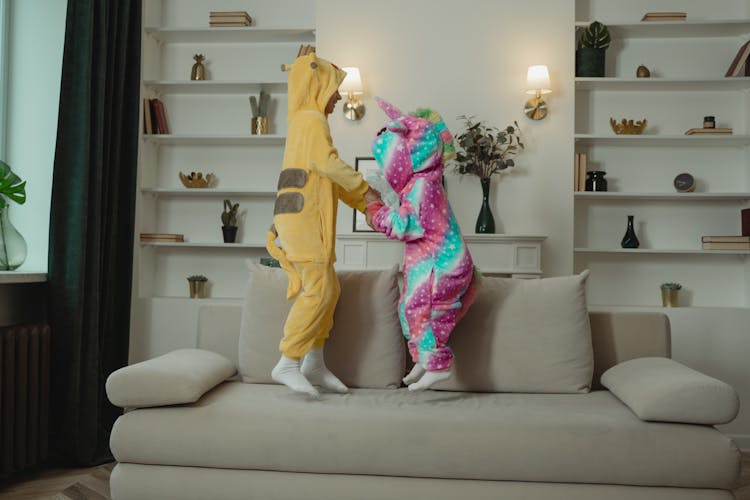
x: 485, y: 221
x: 590, y: 62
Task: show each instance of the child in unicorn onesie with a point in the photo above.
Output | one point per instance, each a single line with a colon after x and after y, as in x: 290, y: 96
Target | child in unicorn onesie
x: 439, y: 278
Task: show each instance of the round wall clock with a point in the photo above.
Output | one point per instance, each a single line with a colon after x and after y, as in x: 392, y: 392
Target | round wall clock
x: 684, y: 183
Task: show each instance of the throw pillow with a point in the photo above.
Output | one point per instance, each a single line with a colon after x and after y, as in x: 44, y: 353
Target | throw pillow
x: 366, y: 347
x: 524, y: 336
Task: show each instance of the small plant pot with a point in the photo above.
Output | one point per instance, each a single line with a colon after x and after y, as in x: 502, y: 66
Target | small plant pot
x: 197, y: 289
x: 670, y: 297
x: 590, y: 62
x: 259, y: 125
x: 230, y: 233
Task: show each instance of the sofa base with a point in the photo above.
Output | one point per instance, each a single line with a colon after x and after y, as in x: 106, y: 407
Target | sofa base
x: 142, y: 482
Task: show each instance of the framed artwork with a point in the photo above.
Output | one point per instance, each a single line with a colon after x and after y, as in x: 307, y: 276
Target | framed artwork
x: 365, y: 165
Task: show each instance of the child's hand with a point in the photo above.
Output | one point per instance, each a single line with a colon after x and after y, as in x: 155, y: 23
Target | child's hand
x: 372, y: 209
x: 372, y: 195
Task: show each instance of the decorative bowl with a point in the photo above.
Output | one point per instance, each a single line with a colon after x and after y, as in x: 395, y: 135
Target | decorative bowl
x: 628, y: 127
x: 197, y: 180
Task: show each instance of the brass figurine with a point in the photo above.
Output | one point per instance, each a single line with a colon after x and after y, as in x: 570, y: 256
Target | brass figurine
x: 642, y: 72
x: 628, y: 127
x: 197, y: 180
x: 199, y: 71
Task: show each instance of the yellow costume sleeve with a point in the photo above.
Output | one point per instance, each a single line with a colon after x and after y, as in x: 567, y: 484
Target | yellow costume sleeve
x: 354, y: 199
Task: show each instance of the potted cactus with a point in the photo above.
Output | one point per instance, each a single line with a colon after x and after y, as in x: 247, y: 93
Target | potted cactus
x: 197, y: 283
x: 259, y: 108
x: 592, y: 45
x: 229, y: 221
x: 670, y: 294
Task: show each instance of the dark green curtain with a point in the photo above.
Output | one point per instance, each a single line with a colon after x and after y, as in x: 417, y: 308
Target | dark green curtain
x: 91, y: 222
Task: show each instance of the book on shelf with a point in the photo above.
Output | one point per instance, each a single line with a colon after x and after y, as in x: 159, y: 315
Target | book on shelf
x: 582, y: 168
x: 739, y: 66
x: 697, y: 131
x: 664, y: 16
x: 148, y: 127
x: 159, y: 116
x: 576, y: 172
x: 725, y: 239
x: 230, y: 18
x: 228, y: 25
x: 725, y: 245
x: 173, y: 237
x: 745, y: 216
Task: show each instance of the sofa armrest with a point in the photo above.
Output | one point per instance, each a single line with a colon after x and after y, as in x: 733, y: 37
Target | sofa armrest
x: 663, y: 390
x: 179, y: 377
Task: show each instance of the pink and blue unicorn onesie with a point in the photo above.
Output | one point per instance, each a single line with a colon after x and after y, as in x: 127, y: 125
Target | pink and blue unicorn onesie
x: 439, y: 276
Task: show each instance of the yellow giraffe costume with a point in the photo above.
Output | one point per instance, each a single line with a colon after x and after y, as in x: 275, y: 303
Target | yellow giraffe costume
x: 312, y: 180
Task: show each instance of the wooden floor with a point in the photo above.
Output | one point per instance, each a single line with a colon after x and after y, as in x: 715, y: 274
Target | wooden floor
x: 93, y: 484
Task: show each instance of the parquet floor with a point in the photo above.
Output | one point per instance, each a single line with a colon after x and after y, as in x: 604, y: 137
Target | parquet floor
x: 93, y: 484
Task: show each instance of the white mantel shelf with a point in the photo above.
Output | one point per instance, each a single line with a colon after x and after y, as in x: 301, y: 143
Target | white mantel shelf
x: 518, y: 256
x: 12, y: 277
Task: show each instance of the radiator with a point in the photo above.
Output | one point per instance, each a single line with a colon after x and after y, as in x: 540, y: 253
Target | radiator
x: 24, y: 396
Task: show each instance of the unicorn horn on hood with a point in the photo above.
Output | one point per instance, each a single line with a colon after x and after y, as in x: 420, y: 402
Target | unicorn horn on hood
x: 392, y: 111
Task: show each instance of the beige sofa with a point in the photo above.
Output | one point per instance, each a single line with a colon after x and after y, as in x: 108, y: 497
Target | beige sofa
x: 536, y: 431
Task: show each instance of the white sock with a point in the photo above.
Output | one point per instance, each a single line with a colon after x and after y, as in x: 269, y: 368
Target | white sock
x: 315, y: 370
x: 287, y: 372
x: 429, y: 378
x: 415, y: 374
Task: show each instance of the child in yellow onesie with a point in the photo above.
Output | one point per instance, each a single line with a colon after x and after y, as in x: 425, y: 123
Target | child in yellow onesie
x: 312, y: 181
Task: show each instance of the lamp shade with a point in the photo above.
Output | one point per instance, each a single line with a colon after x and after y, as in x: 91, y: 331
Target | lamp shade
x: 537, y: 79
x: 352, y: 83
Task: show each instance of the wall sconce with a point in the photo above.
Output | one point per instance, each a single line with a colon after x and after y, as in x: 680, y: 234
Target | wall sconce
x: 537, y: 84
x: 350, y: 88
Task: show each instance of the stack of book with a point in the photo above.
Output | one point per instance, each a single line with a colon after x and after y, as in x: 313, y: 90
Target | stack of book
x: 725, y: 242
x: 694, y: 131
x: 162, y: 237
x: 579, y: 178
x: 154, y: 117
x: 229, y: 18
x: 664, y: 16
x: 739, y: 66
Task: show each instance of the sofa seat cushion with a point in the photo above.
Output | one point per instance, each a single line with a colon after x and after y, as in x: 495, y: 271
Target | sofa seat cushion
x: 580, y: 438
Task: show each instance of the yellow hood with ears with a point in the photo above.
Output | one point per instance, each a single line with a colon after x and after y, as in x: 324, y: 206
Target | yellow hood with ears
x: 312, y: 82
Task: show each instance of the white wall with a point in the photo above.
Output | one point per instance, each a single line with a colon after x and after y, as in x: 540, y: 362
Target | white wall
x: 37, y: 34
x: 467, y: 58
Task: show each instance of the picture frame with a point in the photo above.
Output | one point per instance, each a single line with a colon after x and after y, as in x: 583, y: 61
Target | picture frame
x: 365, y: 165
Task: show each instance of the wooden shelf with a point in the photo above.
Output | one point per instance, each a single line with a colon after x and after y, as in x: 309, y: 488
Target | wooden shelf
x: 194, y: 245
x: 688, y: 197
x: 676, y: 29
x: 219, y: 140
x: 665, y: 84
x: 635, y: 251
x: 208, y: 87
x: 202, y: 34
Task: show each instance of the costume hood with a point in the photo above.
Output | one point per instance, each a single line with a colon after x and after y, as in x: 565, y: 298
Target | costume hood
x: 312, y: 82
x: 414, y: 144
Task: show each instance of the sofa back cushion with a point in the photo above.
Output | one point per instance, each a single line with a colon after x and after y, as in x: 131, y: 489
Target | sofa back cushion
x: 366, y: 346
x: 524, y: 336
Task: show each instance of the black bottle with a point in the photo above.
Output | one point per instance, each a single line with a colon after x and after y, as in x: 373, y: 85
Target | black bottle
x: 595, y: 180
x: 630, y: 240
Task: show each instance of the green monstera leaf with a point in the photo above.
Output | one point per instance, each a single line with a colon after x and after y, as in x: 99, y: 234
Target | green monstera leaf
x: 11, y: 186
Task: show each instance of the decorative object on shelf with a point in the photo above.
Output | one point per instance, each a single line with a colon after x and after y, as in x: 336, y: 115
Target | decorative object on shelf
x: 259, y: 108
x: 154, y: 117
x: 580, y: 166
x: 351, y: 88
x: 709, y: 122
x: 628, y: 127
x: 595, y: 180
x: 12, y: 245
x: 484, y: 150
x: 197, y: 284
x: 670, y: 294
x: 745, y: 221
x: 537, y: 84
x: 229, y: 19
x: 684, y: 183
x: 229, y: 221
x: 630, y: 240
x: 197, y: 180
x: 739, y: 65
x: 592, y: 46
x: 664, y: 16
x: 269, y: 262
x: 642, y: 72
x: 725, y: 243
x: 198, y: 72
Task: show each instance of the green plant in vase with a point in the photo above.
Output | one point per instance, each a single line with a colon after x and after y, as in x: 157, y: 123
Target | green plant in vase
x: 592, y: 45
x: 12, y: 245
x: 229, y: 221
x: 484, y: 151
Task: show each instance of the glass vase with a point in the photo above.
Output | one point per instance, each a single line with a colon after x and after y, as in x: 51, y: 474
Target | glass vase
x: 630, y: 240
x: 12, y: 245
x: 485, y: 221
